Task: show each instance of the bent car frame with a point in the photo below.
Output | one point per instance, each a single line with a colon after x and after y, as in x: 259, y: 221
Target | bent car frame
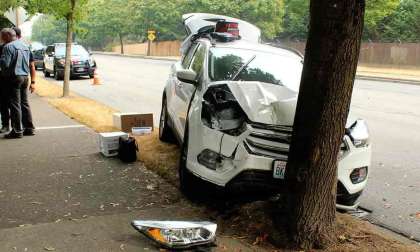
x: 231, y: 101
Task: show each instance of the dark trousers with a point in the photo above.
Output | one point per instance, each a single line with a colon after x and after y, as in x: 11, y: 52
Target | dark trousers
x: 4, y: 103
x: 20, y: 110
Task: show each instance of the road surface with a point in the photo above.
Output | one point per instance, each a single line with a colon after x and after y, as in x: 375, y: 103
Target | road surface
x: 392, y: 111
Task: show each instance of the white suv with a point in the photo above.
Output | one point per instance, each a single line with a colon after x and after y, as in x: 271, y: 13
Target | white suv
x: 230, y: 102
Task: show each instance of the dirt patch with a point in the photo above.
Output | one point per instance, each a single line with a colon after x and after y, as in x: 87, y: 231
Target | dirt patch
x: 249, y: 222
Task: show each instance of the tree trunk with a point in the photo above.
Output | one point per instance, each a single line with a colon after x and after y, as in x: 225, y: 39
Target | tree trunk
x: 329, y: 71
x: 70, y: 25
x: 121, y: 43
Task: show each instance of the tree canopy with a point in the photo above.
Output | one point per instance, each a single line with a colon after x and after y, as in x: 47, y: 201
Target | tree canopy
x: 109, y: 21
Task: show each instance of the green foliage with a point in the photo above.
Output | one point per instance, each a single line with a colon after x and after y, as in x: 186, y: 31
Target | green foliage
x: 376, y: 11
x: 49, y: 30
x: 403, y: 24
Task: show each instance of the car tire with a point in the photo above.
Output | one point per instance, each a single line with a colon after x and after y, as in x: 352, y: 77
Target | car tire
x: 189, y: 183
x: 165, y: 132
x: 57, y: 76
x: 91, y: 76
x: 46, y: 73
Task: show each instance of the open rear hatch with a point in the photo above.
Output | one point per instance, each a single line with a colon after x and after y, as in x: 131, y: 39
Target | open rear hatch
x: 195, y: 22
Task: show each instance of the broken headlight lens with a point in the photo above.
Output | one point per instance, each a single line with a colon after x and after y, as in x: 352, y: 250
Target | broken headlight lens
x: 221, y: 111
x: 359, y: 134
x: 177, y: 234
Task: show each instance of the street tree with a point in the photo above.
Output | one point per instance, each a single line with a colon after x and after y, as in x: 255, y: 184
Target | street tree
x: 332, y: 52
x: 70, y: 10
x: 47, y: 29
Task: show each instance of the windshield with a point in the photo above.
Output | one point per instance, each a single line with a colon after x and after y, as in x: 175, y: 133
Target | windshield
x: 247, y: 65
x: 76, y: 50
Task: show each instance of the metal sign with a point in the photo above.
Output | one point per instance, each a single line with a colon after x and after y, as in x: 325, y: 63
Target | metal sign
x: 17, y: 16
x: 151, y: 35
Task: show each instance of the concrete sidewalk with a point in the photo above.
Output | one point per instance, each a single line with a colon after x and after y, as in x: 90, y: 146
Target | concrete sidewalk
x: 58, y: 193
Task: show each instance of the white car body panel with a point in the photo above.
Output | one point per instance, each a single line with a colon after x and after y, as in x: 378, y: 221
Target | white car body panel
x: 263, y: 103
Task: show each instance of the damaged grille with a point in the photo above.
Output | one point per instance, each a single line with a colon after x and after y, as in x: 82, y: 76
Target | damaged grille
x: 269, y: 141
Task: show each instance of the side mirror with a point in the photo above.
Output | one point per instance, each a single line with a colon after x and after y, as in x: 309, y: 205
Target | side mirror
x: 188, y: 76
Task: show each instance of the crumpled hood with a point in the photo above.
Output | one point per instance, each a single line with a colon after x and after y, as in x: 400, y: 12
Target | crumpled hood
x: 265, y: 103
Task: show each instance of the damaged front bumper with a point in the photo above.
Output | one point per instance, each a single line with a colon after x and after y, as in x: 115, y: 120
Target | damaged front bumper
x: 245, y: 162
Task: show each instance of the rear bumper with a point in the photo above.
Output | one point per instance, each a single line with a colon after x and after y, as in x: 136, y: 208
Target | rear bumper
x: 74, y: 71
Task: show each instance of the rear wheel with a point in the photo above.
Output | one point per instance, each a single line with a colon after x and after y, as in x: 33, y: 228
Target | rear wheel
x: 165, y: 132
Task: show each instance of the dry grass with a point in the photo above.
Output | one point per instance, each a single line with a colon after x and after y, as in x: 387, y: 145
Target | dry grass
x: 160, y: 157
x: 250, y: 222
x: 91, y: 113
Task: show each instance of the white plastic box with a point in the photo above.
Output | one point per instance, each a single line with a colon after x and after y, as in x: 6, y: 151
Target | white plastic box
x: 109, y: 143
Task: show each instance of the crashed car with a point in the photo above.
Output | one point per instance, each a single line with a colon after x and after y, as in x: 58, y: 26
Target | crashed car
x: 231, y: 101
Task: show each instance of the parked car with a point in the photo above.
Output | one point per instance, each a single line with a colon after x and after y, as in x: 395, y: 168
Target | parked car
x: 82, y: 62
x: 39, y: 58
x: 230, y: 103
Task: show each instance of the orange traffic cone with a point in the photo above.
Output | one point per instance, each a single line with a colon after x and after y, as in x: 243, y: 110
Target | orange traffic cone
x: 96, y: 80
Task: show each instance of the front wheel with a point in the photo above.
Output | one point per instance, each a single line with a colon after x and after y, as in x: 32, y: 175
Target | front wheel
x: 57, y: 75
x: 189, y: 183
x: 46, y: 73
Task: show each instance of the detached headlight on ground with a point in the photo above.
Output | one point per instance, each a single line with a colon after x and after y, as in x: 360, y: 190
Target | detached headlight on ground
x: 177, y: 234
x: 359, y: 134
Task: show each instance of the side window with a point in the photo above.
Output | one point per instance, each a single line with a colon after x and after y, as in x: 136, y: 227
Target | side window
x: 187, y: 58
x: 198, y: 60
x: 49, y: 50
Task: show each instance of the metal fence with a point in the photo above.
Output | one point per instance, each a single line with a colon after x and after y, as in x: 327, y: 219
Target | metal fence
x: 382, y: 54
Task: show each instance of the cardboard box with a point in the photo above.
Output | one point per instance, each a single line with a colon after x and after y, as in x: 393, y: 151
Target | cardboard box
x: 126, y: 121
x: 110, y: 142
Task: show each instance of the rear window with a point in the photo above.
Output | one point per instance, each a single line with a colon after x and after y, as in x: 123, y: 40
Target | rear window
x: 247, y: 65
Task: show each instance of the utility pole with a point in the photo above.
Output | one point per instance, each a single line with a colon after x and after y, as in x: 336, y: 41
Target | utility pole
x: 17, y: 17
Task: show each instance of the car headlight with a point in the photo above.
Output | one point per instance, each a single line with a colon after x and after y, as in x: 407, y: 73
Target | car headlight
x: 359, y: 134
x: 221, y: 111
x: 91, y: 62
x: 177, y: 234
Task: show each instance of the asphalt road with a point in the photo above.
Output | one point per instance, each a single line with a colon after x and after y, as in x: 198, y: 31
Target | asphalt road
x: 391, y: 110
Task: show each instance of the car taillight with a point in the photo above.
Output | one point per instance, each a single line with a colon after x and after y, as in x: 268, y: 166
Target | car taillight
x: 228, y: 27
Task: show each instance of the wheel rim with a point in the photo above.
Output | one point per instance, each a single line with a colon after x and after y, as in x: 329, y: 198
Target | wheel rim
x: 162, y: 120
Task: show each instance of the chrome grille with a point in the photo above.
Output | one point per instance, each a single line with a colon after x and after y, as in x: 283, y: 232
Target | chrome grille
x: 269, y: 141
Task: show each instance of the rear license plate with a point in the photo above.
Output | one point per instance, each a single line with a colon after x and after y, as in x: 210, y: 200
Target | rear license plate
x: 80, y: 69
x: 279, y: 169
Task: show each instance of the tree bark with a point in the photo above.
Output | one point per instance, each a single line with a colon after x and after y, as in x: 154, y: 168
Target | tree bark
x: 69, y: 41
x: 329, y: 71
x: 121, y: 43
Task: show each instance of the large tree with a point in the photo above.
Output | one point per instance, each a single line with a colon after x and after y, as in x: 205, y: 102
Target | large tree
x: 329, y: 71
x: 70, y: 10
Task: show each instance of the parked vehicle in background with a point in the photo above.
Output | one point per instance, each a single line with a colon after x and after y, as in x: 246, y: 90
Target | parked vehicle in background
x: 82, y: 62
x: 231, y: 102
x: 39, y: 58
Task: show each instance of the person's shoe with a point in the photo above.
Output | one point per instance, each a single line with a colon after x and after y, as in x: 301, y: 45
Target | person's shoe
x: 29, y: 132
x: 4, y: 130
x: 13, y: 135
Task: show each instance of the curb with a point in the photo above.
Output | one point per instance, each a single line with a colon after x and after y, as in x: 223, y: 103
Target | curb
x: 393, y: 80
x: 136, y: 56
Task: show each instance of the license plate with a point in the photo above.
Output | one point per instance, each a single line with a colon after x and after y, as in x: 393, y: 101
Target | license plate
x: 279, y: 169
x: 80, y: 69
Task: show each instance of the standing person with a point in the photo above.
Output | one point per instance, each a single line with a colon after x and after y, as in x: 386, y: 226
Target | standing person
x: 14, y: 62
x: 32, y: 71
x: 4, y: 101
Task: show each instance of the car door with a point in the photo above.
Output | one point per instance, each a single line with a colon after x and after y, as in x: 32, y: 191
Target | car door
x: 175, y: 103
x: 186, y: 90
